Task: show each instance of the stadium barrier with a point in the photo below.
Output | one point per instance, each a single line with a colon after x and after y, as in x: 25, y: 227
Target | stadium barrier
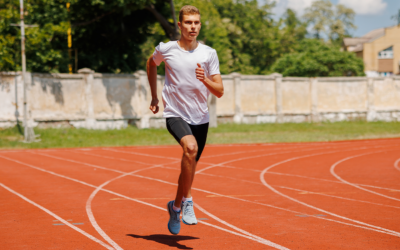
x: 111, y: 101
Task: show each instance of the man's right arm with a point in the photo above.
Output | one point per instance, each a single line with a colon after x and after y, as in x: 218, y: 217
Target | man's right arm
x: 152, y: 76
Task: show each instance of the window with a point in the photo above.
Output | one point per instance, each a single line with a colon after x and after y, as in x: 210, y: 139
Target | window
x: 386, y: 53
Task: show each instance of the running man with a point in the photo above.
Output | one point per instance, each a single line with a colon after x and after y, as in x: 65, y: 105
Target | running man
x: 191, y: 73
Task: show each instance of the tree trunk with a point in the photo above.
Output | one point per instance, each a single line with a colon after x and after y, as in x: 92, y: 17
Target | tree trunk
x: 172, y: 33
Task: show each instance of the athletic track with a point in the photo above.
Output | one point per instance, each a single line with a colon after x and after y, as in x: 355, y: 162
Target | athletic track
x: 328, y: 195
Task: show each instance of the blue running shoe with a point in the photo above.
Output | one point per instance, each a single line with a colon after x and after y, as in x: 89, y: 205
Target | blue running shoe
x: 188, y: 216
x: 174, y: 223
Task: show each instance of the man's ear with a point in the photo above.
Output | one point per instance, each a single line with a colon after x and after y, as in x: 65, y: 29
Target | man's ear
x: 179, y: 25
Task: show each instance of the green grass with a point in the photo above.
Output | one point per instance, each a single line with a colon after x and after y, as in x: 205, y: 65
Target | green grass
x: 225, y: 133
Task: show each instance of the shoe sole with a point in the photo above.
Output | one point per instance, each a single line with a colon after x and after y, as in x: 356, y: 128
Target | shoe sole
x: 184, y: 222
x: 169, y: 212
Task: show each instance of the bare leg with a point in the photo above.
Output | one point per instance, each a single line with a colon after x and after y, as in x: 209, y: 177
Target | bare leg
x: 188, y: 168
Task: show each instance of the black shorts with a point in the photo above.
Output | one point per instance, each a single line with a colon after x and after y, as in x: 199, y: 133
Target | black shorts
x: 178, y: 128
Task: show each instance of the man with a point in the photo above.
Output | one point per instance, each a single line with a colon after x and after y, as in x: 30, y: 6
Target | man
x: 191, y: 73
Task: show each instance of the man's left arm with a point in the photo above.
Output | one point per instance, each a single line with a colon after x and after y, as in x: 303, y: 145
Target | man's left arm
x: 214, y: 84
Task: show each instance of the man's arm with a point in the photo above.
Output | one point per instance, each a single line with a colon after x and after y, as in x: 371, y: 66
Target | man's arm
x: 214, y: 85
x: 152, y: 76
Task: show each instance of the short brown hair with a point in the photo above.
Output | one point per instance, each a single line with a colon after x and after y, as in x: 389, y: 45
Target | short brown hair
x: 188, y: 10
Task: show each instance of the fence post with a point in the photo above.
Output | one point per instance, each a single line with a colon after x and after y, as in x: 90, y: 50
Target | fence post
x: 144, y: 89
x: 237, y: 118
x: 314, y: 99
x: 278, y: 99
x: 88, y: 77
x: 371, y: 114
x: 212, y: 110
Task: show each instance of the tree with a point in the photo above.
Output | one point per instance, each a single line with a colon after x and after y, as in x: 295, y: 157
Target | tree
x: 318, y: 15
x: 335, y: 22
x: 315, y: 58
x: 107, y: 34
x: 341, y: 24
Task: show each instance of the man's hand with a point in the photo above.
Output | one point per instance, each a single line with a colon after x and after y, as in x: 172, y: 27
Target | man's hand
x: 154, y: 106
x: 200, y: 73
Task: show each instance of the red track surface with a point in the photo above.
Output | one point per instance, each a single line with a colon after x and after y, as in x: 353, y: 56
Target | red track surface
x: 339, y: 195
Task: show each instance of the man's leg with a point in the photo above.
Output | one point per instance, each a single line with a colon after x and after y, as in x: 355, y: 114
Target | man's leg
x: 188, y: 168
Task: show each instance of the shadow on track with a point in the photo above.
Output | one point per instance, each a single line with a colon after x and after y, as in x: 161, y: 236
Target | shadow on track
x: 169, y: 240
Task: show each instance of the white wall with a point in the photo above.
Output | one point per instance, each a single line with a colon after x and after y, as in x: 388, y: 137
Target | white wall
x: 106, y: 101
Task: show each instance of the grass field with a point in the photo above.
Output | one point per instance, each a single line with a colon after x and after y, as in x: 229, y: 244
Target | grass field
x: 225, y: 133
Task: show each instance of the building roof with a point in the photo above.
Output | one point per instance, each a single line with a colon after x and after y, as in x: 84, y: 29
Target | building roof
x: 355, y: 44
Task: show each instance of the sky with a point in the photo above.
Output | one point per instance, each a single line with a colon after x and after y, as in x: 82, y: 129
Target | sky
x: 370, y: 14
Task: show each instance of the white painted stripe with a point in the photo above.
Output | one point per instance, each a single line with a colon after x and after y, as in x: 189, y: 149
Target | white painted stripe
x: 82, y: 163
x: 57, y: 217
x: 352, y: 184
x: 320, y: 179
x: 396, y: 164
x: 313, y: 207
x: 90, y: 213
x: 295, y: 189
x: 126, y: 197
x: 262, y: 155
x: 266, y: 242
x: 272, y: 206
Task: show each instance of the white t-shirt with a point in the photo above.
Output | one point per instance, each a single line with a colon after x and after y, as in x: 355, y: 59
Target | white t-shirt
x: 183, y: 95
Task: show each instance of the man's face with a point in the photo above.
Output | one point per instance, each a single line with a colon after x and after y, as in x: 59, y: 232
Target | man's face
x: 190, y: 26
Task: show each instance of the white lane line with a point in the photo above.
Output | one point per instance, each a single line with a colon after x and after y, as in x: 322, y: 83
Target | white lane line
x: 332, y: 170
x: 126, y: 197
x: 257, y: 156
x: 266, y: 242
x: 294, y: 189
x: 235, y: 198
x: 313, y: 207
x: 259, y: 239
x: 396, y: 164
x: 90, y: 213
x: 57, y: 217
x: 320, y: 179
x: 82, y: 163
x: 272, y: 206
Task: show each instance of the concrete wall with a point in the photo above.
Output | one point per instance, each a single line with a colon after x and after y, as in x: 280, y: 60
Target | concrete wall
x: 108, y: 101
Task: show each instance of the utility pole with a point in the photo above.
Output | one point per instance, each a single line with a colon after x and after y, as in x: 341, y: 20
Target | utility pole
x: 29, y: 134
x: 69, y: 42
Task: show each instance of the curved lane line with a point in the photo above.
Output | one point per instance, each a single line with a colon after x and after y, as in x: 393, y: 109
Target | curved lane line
x: 129, y: 198
x: 266, y: 242
x: 295, y: 189
x: 149, y: 204
x: 316, y: 208
x: 90, y: 213
x: 105, y: 236
x: 396, y: 164
x: 229, y: 161
x: 355, y: 185
x: 57, y: 217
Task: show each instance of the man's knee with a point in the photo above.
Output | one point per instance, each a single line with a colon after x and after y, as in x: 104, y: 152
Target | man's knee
x: 191, y: 150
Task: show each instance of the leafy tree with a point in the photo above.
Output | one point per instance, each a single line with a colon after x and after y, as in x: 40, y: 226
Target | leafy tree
x: 335, y: 22
x: 107, y: 34
x: 44, y: 51
x: 318, y: 15
x: 315, y: 58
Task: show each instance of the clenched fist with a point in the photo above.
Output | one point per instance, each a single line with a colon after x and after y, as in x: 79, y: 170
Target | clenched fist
x: 154, y: 106
x: 200, y: 73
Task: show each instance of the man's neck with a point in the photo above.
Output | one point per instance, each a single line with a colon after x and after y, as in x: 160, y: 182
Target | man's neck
x: 187, y: 45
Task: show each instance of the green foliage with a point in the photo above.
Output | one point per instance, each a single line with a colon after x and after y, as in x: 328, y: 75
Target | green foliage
x: 315, y: 58
x: 119, y: 36
x: 107, y: 34
x: 44, y: 44
x: 333, y: 21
